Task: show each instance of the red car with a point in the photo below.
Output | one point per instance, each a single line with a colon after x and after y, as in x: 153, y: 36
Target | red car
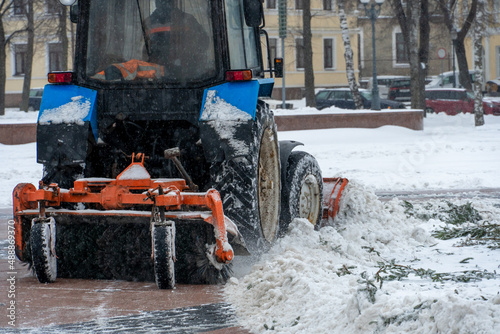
x: 453, y: 101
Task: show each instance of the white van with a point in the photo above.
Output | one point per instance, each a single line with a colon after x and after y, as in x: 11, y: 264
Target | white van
x: 446, y: 80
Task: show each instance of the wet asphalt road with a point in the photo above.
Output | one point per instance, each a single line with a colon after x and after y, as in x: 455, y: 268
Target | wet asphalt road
x: 104, y: 306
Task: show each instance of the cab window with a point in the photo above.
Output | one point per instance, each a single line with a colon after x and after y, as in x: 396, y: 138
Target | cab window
x: 153, y: 40
x: 241, y: 38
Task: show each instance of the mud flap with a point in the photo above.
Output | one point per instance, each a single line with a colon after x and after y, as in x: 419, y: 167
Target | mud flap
x: 67, y: 115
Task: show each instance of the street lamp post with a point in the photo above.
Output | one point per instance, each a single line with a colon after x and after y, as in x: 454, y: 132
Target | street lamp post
x: 373, y: 12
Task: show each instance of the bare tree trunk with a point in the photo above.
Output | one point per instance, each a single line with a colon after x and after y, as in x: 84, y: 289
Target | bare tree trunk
x: 478, y: 65
x: 29, y: 58
x: 349, y: 56
x: 410, y: 25
x: 413, y: 19
x: 308, y: 55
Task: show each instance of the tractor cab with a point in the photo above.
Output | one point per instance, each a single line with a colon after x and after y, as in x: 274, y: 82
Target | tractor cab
x: 174, y: 43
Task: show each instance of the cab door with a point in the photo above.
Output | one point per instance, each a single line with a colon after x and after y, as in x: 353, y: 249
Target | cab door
x: 244, y: 51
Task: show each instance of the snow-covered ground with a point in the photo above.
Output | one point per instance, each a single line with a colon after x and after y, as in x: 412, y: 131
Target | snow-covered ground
x: 380, y: 268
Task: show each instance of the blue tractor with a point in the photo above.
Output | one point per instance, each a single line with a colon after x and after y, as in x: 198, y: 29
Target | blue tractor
x: 181, y: 82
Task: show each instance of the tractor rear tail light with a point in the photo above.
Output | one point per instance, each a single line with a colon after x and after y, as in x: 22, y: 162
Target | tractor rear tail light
x: 60, y: 77
x: 243, y: 75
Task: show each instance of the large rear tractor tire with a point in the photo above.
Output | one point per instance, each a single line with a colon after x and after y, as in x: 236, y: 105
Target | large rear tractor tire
x: 304, y: 195
x: 250, y: 184
x: 42, y: 240
x: 163, y: 255
x: 269, y: 185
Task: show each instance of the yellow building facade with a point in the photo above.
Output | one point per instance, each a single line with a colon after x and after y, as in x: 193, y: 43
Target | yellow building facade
x: 327, y: 43
x: 47, y: 50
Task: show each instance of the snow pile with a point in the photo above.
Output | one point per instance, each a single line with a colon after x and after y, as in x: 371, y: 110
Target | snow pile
x: 71, y: 112
x: 325, y: 281
x: 134, y: 172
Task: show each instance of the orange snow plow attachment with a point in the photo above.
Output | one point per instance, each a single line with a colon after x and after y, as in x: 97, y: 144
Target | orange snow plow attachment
x: 332, y: 193
x: 123, y: 198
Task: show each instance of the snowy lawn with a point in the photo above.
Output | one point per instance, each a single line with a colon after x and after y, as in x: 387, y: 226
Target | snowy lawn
x: 382, y: 267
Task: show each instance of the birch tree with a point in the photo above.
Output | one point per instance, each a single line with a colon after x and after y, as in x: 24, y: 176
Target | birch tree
x: 415, y: 66
x: 349, y: 55
x: 478, y: 64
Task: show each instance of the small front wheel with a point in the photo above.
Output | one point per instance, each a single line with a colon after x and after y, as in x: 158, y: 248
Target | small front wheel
x: 163, y: 254
x: 43, y: 241
x: 304, y: 195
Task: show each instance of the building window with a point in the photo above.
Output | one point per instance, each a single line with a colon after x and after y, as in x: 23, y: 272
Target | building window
x: 19, y: 7
x: 328, y: 53
x: 56, y: 57
x: 401, y: 50
x: 299, y: 4
x: 327, y: 4
x: 271, y: 4
x: 20, y: 58
x: 299, y: 52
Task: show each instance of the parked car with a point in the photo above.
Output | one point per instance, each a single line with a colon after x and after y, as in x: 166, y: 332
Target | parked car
x: 342, y: 98
x: 453, y: 101
x: 35, y: 99
x: 400, y: 90
x: 446, y: 80
x: 384, y: 82
x: 493, y: 87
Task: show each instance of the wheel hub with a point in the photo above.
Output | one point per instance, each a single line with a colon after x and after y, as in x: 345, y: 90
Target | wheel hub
x: 269, y: 185
x: 309, y: 199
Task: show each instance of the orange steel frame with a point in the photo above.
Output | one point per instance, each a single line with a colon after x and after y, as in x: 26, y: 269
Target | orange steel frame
x: 119, y: 194
x: 333, y: 202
